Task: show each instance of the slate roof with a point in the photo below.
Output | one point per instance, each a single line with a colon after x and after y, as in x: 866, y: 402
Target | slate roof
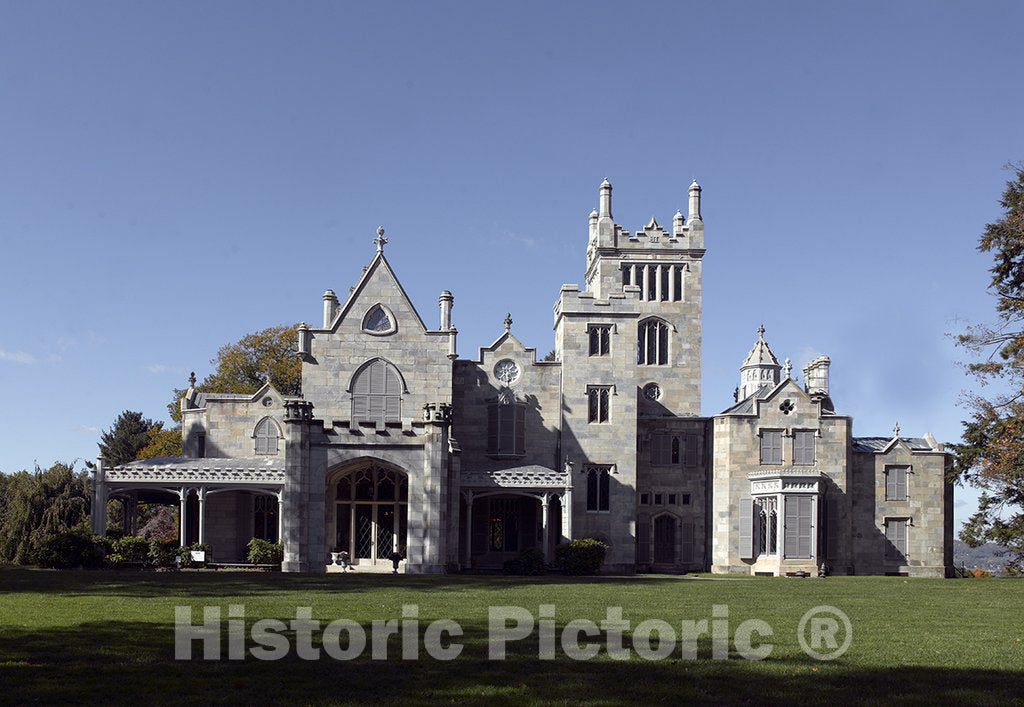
x: 877, y: 444
x: 746, y: 406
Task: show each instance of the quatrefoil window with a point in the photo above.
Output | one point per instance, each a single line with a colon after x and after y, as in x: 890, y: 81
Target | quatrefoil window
x: 787, y: 406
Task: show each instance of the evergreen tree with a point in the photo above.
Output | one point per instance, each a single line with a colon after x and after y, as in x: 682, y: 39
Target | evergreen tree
x: 128, y: 436
x: 991, y: 453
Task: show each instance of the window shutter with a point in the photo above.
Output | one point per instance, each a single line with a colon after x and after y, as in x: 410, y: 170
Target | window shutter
x: 791, y: 532
x: 360, y: 408
x: 393, y: 408
x: 776, y: 438
x: 506, y: 429
x: 492, y: 428
x: 686, y: 529
x: 803, y: 504
x: 520, y: 429
x: 901, y: 484
x: 831, y: 528
x: 746, y: 548
x: 691, y: 450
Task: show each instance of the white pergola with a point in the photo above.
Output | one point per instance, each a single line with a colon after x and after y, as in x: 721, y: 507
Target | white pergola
x: 534, y: 481
x: 181, y: 477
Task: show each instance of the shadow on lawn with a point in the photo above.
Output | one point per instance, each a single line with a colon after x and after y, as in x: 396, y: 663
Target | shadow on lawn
x: 145, y: 584
x: 115, y: 661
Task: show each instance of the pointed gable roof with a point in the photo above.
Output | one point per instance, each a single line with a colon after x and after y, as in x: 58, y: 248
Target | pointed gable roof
x: 378, y: 267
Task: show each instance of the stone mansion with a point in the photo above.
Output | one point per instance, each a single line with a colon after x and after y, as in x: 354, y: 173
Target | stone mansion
x: 399, y: 444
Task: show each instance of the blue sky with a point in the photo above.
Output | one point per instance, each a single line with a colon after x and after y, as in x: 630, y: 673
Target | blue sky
x: 176, y: 175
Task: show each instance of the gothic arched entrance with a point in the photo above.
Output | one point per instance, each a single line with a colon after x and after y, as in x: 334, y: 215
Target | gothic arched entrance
x: 371, y: 511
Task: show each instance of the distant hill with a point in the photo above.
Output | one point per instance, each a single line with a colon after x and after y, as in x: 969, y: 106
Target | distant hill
x: 989, y: 557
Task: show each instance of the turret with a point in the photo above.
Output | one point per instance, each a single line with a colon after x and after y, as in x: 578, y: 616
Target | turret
x: 445, y: 302
x: 694, y: 202
x: 760, y: 368
x: 330, y: 307
x: 606, y: 199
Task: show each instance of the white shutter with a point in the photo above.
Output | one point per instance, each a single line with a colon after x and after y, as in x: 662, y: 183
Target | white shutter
x: 746, y: 549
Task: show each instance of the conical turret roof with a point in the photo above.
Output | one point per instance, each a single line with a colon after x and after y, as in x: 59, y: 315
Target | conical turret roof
x: 761, y: 354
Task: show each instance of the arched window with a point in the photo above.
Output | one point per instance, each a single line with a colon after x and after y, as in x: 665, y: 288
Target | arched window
x: 377, y: 394
x: 652, y: 343
x: 267, y: 435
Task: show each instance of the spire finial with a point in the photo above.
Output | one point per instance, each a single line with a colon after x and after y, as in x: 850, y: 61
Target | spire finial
x: 896, y: 429
x: 508, y: 322
x: 192, y: 379
x: 788, y: 368
x: 760, y: 332
x: 380, y: 240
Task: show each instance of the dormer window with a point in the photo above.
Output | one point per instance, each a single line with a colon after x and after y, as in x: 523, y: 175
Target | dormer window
x: 379, y: 321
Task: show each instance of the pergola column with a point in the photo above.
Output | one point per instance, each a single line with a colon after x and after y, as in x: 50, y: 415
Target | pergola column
x: 469, y: 529
x: 280, y: 516
x: 544, y: 525
x: 567, y: 514
x: 183, y: 495
x: 201, y: 494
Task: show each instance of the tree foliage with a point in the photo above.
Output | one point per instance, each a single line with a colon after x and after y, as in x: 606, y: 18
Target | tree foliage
x: 162, y: 443
x: 991, y: 453
x: 125, y: 439
x: 37, y: 506
x: 242, y: 367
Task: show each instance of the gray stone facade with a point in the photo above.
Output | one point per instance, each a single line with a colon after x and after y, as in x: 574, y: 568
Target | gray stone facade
x: 398, y: 445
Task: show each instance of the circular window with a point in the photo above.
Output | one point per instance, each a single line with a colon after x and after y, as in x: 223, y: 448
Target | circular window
x: 652, y: 391
x: 268, y: 401
x: 506, y: 370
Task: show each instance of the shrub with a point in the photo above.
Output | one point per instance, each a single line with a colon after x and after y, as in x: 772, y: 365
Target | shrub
x: 71, y: 548
x: 529, y: 562
x: 185, y: 554
x: 264, y: 552
x: 130, y: 549
x: 580, y: 556
x: 163, y: 553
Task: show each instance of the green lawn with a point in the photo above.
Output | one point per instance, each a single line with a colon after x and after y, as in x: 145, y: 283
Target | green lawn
x: 108, y: 636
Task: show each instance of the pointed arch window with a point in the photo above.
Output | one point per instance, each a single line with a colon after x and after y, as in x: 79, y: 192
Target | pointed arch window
x: 377, y: 394
x: 267, y: 435
x: 652, y: 343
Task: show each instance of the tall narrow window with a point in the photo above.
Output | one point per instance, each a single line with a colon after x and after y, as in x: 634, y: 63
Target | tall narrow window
x: 201, y: 445
x: 666, y: 273
x: 896, y: 537
x: 677, y: 290
x: 895, y: 483
x: 652, y: 343
x: 377, y: 394
x: 598, y: 403
x: 265, y: 517
x: 597, y: 488
x: 506, y: 428
x: 267, y: 436
x: 600, y: 339
x: 803, y: 447
x: 771, y: 447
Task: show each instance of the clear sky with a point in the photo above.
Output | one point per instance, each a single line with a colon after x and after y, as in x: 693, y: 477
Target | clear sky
x: 176, y: 175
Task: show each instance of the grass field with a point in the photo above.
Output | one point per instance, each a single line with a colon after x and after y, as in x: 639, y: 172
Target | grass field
x: 107, y: 636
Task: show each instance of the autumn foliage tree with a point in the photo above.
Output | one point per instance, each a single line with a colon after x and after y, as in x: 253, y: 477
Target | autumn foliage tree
x: 991, y: 453
x: 242, y: 367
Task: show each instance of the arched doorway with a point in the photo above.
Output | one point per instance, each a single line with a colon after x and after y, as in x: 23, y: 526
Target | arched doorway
x: 371, y: 511
x: 665, y: 540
